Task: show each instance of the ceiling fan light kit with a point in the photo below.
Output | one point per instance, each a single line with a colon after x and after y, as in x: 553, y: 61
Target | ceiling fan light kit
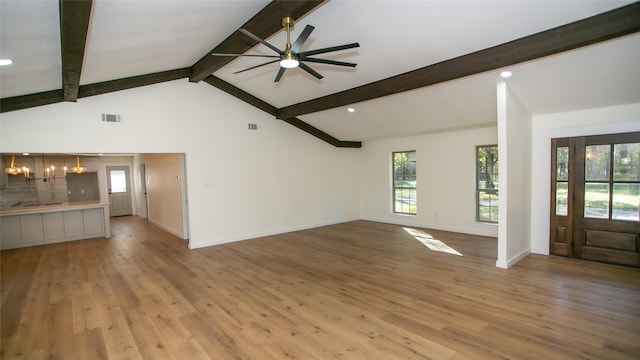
x: 289, y: 61
x: 291, y: 57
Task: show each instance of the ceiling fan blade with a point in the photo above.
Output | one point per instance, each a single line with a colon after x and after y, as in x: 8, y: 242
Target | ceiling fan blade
x: 280, y: 73
x: 329, y: 49
x: 260, y: 41
x: 257, y: 66
x: 267, y: 56
x: 310, y: 71
x: 302, y: 38
x: 327, y: 61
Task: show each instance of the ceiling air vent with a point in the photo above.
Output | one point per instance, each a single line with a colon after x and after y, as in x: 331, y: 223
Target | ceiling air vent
x: 253, y: 126
x: 110, y: 118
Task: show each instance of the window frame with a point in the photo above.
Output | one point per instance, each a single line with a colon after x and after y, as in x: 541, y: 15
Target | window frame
x: 393, y: 183
x: 478, y: 190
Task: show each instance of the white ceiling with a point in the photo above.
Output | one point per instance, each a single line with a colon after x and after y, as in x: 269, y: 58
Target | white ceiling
x: 134, y: 37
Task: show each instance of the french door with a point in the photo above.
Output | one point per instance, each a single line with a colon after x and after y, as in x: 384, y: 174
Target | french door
x: 595, y: 198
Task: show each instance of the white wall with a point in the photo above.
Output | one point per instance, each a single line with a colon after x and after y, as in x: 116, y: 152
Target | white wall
x: 514, y: 154
x: 609, y: 120
x: 445, y: 180
x: 240, y: 183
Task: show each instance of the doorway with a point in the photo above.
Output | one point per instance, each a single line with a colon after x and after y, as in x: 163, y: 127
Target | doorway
x: 595, y: 198
x: 119, y: 190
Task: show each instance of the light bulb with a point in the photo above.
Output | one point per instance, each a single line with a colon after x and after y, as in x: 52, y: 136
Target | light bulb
x: 289, y: 63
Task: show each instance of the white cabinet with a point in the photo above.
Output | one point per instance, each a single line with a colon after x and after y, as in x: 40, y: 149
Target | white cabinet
x: 53, y: 226
x: 93, y: 222
x: 73, y: 223
x: 10, y: 231
x: 31, y: 228
x: 50, y: 226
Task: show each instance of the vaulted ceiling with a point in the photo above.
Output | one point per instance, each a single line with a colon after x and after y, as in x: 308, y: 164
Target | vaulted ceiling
x: 423, y: 66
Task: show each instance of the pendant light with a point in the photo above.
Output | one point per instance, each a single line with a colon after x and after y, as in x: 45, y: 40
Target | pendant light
x: 78, y: 169
x: 12, y: 169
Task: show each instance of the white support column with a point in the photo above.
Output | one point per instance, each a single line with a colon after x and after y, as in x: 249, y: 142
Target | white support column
x: 514, y: 157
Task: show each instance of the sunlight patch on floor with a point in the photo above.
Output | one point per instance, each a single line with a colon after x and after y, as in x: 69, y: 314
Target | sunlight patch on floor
x: 431, y: 243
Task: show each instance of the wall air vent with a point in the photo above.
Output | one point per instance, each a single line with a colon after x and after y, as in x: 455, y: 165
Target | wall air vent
x: 253, y: 126
x: 110, y: 118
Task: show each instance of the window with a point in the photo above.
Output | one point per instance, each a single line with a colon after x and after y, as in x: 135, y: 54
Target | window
x: 118, y: 181
x: 612, y: 182
x: 487, y: 183
x: 404, y: 182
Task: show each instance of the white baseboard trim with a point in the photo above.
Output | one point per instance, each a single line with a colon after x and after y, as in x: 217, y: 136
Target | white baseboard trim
x: 400, y: 221
x: 499, y: 263
x: 166, y: 228
x: 267, y: 233
x: 507, y: 264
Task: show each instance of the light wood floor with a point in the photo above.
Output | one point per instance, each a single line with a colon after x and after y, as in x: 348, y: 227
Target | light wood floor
x: 359, y: 290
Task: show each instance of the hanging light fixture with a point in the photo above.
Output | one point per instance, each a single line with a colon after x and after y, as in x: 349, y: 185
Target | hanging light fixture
x: 15, y: 170
x: 288, y: 59
x: 12, y: 169
x: 78, y: 169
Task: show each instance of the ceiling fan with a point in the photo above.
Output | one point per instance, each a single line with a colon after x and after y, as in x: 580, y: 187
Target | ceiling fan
x: 291, y: 56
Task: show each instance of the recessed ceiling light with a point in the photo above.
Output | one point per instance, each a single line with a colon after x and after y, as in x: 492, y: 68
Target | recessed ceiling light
x: 25, y: 153
x: 350, y: 109
x: 506, y: 74
x: 5, y: 62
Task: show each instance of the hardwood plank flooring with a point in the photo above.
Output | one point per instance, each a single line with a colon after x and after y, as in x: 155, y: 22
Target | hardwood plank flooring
x: 358, y: 290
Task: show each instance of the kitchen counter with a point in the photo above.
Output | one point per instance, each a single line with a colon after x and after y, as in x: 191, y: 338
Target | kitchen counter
x: 31, y: 207
x: 29, y: 224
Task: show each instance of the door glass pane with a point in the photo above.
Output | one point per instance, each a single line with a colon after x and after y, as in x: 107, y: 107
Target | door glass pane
x: 626, y: 202
x: 562, y: 189
x: 118, y: 181
x: 596, y: 200
x: 597, y: 162
x: 562, y: 163
x: 626, y: 162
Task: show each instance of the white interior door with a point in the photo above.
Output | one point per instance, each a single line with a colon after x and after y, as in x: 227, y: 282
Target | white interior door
x: 143, y: 188
x: 119, y: 190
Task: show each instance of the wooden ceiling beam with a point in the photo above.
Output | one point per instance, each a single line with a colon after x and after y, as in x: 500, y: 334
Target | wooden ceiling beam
x: 56, y: 96
x: 74, y: 26
x: 132, y: 82
x: 32, y: 100
x: 241, y: 94
x: 264, y: 24
x: 602, y: 27
x: 270, y: 109
x: 321, y: 134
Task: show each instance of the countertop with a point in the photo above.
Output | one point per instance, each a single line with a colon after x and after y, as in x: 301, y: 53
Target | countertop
x: 18, y: 209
